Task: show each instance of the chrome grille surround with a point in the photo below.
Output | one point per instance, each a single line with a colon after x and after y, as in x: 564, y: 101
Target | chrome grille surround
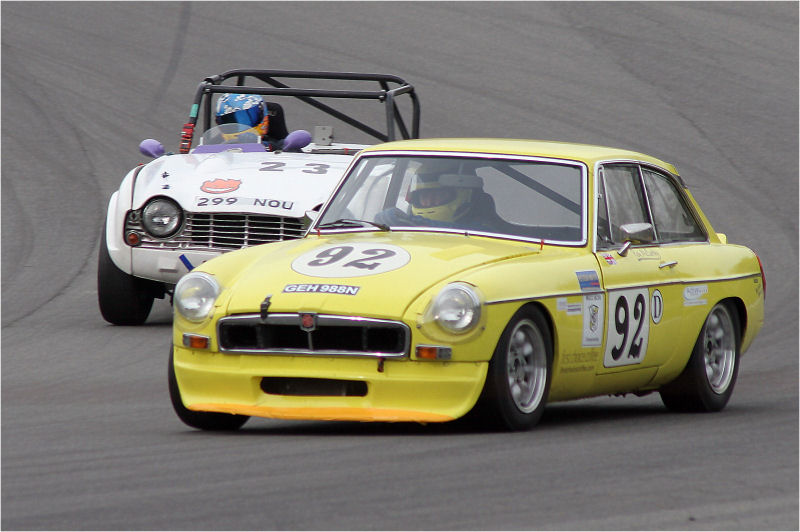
x: 220, y: 231
x: 282, y: 334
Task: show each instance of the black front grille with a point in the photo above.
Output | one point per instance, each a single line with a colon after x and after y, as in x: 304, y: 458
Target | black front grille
x: 329, y: 335
x: 301, y: 386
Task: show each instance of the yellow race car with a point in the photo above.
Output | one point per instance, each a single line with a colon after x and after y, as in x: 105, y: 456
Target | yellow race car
x: 446, y: 276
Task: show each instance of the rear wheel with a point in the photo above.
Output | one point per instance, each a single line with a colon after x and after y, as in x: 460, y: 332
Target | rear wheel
x: 707, y: 382
x: 519, y: 375
x: 200, y: 420
x: 123, y: 298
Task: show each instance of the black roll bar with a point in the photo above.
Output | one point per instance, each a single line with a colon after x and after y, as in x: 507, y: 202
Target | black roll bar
x: 274, y: 87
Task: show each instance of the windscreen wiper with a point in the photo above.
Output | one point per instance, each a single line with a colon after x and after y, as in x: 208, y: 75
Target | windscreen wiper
x: 350, y: 222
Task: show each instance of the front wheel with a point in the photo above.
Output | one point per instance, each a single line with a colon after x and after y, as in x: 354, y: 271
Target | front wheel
x: 519, y: 374
x: 200, y: 420
x: 123, y: 298
x: 706, y: 384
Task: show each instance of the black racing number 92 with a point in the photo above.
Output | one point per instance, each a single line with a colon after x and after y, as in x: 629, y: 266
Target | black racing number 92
x: 372, y: 260
x: 628, y: 327
x: 351, y: 259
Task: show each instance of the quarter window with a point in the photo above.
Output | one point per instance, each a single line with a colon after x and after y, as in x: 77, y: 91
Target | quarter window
x: 673, y: 220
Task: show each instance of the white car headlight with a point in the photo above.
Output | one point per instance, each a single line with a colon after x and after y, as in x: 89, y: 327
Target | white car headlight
x: 457, y: 308
x: 194, y: 296
x: 161, y: 217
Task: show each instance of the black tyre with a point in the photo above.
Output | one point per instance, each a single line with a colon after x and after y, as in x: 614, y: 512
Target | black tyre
x: 200, y: 420
x: 123, y: 298
x: 518, y: 381
x: 707, y: 382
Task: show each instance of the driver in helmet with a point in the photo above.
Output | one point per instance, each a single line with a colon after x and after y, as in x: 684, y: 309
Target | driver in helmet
x: 446, y: 198
x: 250, y: 111
x: 439, y: 200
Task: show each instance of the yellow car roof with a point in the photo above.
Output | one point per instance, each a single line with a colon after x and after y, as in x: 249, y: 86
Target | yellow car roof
x: 586, y: 153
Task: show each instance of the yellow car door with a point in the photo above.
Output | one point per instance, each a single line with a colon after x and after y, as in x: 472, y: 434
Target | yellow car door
x: 641, y: 279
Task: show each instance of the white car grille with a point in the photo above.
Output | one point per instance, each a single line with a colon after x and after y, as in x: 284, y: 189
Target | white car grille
x: 224, y: 231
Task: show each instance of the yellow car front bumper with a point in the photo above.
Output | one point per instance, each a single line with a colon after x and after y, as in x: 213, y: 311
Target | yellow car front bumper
x: 395, y: 390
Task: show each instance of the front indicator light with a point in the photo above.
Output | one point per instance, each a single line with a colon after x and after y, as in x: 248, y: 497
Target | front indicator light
x: 195, y: 341
x: 132, y: 238
x: 434, y: 352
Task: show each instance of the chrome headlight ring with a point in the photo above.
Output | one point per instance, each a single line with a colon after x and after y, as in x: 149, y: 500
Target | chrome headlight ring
x: 195, y: 295
x: 162, y: 217
x: 457, y: 308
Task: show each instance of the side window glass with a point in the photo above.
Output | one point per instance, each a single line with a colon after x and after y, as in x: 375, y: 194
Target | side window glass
x: 624, y: 199
x: 672, y: 218
x: 603, y: 228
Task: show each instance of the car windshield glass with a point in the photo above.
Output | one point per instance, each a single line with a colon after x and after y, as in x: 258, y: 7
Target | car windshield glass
x: 524, y: 198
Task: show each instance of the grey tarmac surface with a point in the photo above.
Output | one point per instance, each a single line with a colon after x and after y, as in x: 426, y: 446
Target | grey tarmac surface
x: 89, y: 439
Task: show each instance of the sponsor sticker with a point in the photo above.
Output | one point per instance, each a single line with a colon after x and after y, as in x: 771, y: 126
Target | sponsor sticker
x: 593, y: 320
x: 646, y: 254
x: 220, y: 186
x: 578, y: 362
x: 610, y: 260
x: 588, y: 280
x: 572, y: 309
x: 693, y: 295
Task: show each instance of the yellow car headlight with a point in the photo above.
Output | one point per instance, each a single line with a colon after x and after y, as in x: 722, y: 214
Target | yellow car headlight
x: 195, y: 295
x: 457, y: 308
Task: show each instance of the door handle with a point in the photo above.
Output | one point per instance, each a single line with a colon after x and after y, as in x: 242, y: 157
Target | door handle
x: 669, y: 264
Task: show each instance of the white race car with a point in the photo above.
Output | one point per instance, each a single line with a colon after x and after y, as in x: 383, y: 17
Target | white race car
x: 241, y: 185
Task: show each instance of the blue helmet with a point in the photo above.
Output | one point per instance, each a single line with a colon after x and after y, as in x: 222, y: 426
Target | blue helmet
x: 247, y: 109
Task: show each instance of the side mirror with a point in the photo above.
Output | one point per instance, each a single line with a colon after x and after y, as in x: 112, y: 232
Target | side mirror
x: 638, y: 233
x: 151, y: 148
x: 296, y: 140
x: 635, y: 233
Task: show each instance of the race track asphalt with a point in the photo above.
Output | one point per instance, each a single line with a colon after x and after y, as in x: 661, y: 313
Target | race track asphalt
x: 89, y: 438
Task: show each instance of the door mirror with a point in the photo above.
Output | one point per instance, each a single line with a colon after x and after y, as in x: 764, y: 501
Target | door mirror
x: 151, y: 148
x: 638, y: 233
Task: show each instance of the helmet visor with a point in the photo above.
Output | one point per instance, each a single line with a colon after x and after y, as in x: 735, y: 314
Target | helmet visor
x: 432, y: 197
x: 249, y: 117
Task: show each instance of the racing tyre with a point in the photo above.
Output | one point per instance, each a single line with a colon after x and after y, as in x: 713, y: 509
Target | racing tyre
x: 200, y: 420
x: 123, y: 298
x: 519, y: 376
x: 706, y: 384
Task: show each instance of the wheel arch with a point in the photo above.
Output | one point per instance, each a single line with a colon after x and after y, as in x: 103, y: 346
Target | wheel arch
x: 538, y: 305
x: 736, y: 305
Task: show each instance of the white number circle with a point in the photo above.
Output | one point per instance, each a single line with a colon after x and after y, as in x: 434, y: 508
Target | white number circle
x: 656, y: 306
x: 357, y: 259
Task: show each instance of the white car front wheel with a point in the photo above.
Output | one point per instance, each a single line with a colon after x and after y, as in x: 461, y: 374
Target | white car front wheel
x: 123, y: 298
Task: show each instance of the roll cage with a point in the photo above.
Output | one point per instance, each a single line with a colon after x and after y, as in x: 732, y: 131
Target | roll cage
x: 269, y: 83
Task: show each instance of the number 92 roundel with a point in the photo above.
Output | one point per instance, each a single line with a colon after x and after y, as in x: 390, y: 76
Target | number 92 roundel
x: 351, y: 260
